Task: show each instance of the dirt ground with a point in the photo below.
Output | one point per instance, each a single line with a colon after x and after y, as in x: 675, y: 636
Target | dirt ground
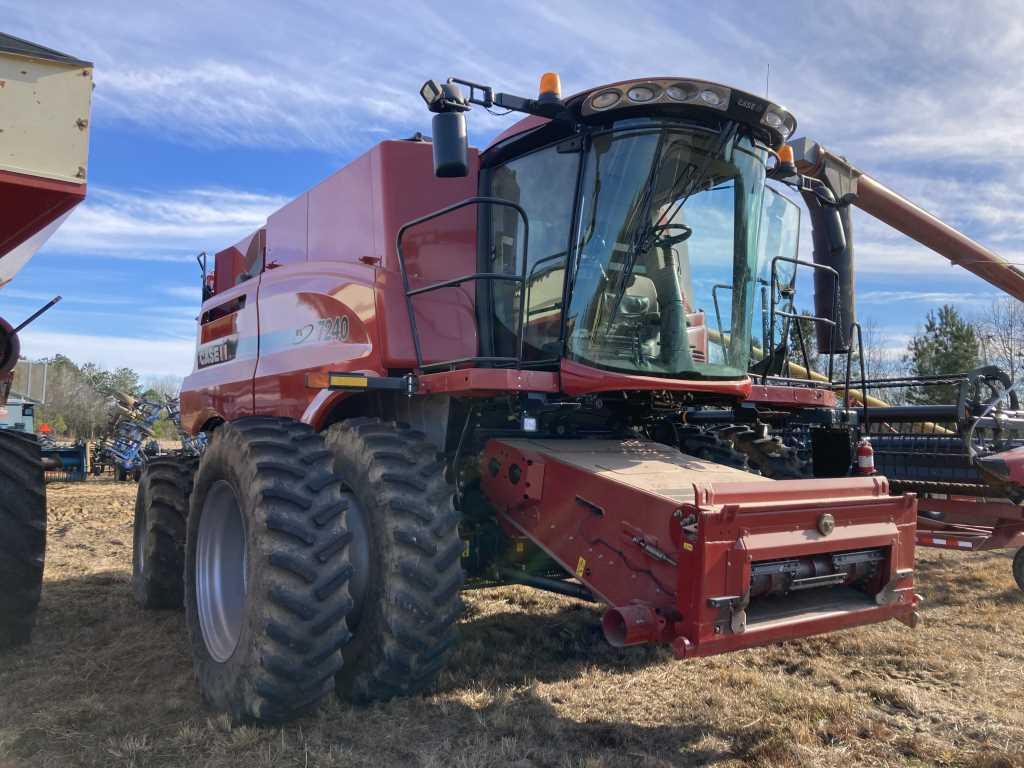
x: 533, y: 683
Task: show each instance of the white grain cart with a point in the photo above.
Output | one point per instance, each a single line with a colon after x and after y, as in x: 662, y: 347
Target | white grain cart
x: 44, y: 146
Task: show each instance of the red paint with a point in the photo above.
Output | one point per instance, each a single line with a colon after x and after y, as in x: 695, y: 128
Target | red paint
x: 579, y: 379
x: 30, y: 203
x: 485, y: 382
x: 980, y: 523
x: 590, y: 524
x: 330, y: 254
x: 773, y: 394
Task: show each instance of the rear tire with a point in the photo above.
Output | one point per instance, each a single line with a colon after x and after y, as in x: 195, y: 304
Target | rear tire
x: 22, y: 535
x: 267, y: 570
x: 406, y: 552
x: 161, y: 512
x: 1018, y: 568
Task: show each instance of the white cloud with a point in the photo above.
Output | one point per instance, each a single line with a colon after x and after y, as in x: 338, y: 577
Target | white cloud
x: 148, y: 357
x: 16, y: 293
x: 187, y: 292
x: 923, y: 297
x: 161, y: 226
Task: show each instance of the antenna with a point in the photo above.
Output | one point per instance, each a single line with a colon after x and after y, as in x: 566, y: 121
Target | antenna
x: 767, y: 75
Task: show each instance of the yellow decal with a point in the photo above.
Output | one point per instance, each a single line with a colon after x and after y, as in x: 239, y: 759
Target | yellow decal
x: 688, y: 546
x: 520, y: 547
x: 338, y: 380
x: 581, y: 567
x: 465, y: 548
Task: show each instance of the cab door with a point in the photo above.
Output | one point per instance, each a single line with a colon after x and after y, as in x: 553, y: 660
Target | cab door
x: 543, y: 182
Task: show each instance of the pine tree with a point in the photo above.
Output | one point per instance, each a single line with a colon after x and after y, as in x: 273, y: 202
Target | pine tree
x: 948, y: 344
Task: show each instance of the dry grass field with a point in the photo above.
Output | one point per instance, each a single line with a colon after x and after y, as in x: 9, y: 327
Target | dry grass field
x: 533, y: 683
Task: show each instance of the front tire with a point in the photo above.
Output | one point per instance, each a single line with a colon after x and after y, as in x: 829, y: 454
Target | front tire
x: 267, y: 570
x: 22, y: 535
x: 406, y: 552
x: 161, y: 511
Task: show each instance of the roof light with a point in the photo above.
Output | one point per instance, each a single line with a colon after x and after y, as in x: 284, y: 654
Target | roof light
x: 779, y: 120
x: 711, y: 98
x: 551, y: 85
x: 681, y: 91
x: 773, y: 119
x: 641, y: 93
x: 605, y: 99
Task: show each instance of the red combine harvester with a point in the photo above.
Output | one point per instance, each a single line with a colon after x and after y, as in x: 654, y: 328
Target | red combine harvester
x: 443, y: 368
x: 44, y: 121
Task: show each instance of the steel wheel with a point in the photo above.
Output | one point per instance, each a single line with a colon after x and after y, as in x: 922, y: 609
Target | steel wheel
x: 221, y: 571
x: 141, y: 534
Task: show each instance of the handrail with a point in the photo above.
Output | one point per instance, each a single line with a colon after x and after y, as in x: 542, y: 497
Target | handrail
x: 411, y: 292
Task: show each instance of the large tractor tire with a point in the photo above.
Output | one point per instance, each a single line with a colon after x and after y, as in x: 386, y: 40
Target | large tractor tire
x: 22, y: 535
x: 266, y: 570
x: 406, y: 555
x: 161, y: 512
x: 1018, y: 568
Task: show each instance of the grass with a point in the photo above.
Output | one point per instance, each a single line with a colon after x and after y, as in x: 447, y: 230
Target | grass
x: 533, y: 683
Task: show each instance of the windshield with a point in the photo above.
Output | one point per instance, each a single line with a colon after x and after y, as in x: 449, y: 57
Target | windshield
x: 667, y: 214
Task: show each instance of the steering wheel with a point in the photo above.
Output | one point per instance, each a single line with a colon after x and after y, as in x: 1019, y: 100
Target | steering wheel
x: 663, y: 237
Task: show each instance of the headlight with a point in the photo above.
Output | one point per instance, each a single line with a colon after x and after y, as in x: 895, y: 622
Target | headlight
x: 681, y: 92
x: 711, y: 98
x: 779, y: 121
x: 605, y: 99
x: 641, y: 93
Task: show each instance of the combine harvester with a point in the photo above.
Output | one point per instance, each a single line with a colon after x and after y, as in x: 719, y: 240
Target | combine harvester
x: 45, y: 99
x: 443, y: 368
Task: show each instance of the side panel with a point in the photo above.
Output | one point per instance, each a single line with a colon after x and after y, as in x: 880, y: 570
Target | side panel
x: 313, y: 317
x: 434, y: 251
x: 287, y: 235
x: 44, y: 117
x: 227, y: 343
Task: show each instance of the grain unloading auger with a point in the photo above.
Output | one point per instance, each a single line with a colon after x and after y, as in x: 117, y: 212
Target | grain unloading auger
x: 443, y: 368
x: 44, y: 139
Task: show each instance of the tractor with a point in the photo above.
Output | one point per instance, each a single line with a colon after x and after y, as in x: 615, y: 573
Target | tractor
x: 443, y: 368
x: 45, y: 99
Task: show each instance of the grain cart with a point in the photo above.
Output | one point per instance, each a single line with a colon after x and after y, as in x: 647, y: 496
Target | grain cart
x: 44, y: 140
x: 443, y: 368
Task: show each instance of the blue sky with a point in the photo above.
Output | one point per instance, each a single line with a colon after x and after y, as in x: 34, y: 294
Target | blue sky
x: 209, y: 116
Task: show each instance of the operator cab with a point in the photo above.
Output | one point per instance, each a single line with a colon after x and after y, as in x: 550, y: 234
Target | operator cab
x: 650, y: 228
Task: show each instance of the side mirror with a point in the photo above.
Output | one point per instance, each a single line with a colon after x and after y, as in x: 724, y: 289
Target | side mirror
x: 451, y: 145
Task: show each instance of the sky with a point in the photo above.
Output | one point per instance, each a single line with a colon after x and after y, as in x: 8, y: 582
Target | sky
x: 209, y: 116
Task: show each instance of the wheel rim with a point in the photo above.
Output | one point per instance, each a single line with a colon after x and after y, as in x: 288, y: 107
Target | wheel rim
x: 221, y: 571
x: 140, y: 540
x: 359, y: 554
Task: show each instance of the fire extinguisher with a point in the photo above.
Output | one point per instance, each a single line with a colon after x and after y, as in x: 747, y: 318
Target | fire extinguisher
x: 865, y: 457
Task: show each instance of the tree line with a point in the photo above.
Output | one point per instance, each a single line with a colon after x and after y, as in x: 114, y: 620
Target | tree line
x: 79, y: 398
x: 949, y: 342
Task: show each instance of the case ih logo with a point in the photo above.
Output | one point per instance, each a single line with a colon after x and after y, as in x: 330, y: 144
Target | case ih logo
x: 218, y: 352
